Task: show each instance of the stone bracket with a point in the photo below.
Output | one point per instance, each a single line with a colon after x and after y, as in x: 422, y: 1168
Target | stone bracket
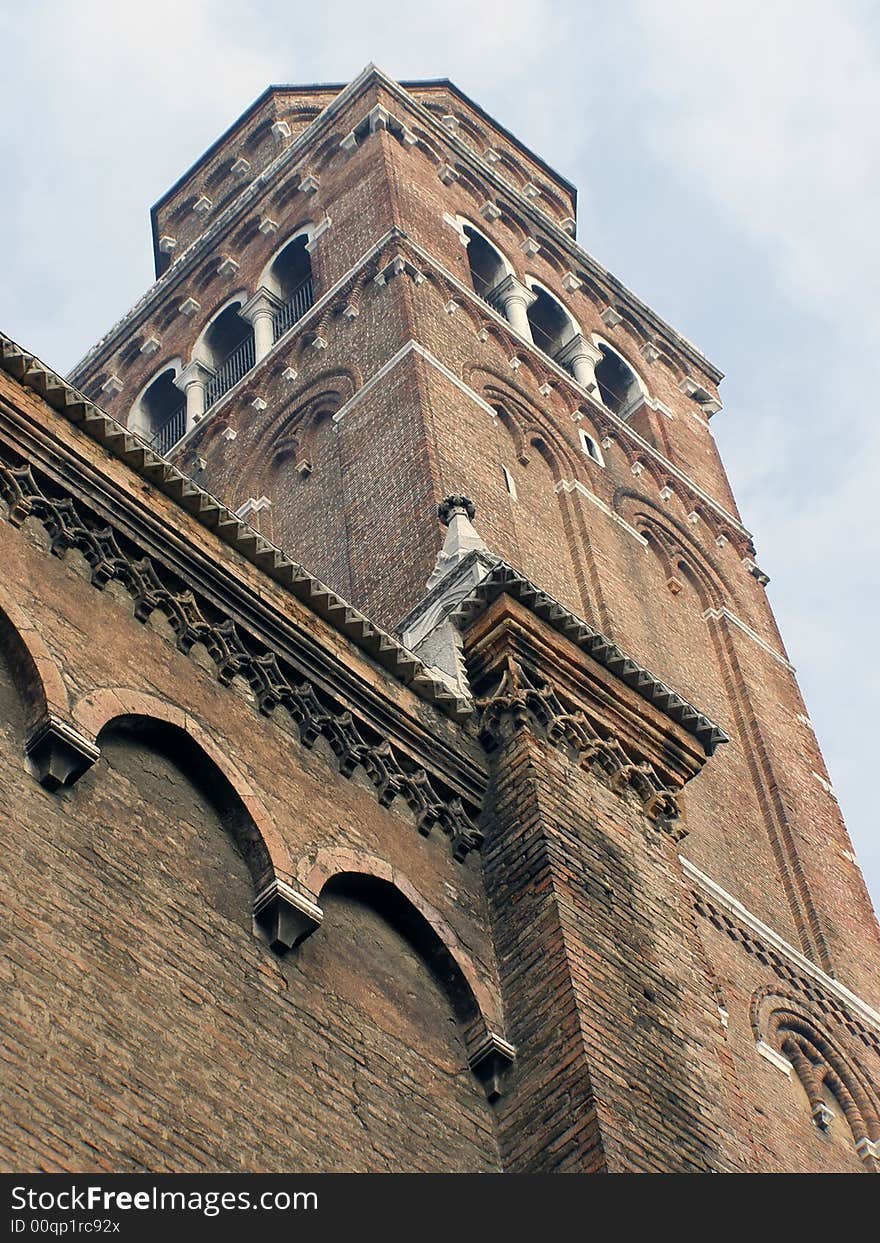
x: 286, y: 916
x: 490, y: 1059
x: 59, y: 753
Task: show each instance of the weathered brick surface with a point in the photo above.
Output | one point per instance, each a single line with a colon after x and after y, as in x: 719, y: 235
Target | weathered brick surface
x: 408, y: 388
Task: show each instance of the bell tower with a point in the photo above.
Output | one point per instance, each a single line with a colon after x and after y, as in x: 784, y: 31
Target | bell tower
x: 371, y: 308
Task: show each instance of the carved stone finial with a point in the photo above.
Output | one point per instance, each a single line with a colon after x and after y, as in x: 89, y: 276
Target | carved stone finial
x: 447, y: 509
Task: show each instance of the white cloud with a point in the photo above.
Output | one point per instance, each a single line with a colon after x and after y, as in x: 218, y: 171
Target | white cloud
x: 769, y: 111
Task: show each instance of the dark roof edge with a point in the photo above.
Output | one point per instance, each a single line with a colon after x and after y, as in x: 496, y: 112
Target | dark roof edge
x: 505, y: 580
x: 338, y: 87
x: 502, y: 129
x: 211, y: 513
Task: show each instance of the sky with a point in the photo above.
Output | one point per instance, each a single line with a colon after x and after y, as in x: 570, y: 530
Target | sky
x: 728, y: 171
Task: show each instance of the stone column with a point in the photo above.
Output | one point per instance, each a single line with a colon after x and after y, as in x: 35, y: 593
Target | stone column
x: 260, y: 312
x: 193, y: 380
x: 581, y: 357
x: 513, y: 299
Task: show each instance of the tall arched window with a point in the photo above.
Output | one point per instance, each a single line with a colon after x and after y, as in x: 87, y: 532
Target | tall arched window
x: 487, y: 266
x: 551, y: 325
x: 159, y: 414
x: 619, y: 386
x: 289, y: 278
x: 227, y: 347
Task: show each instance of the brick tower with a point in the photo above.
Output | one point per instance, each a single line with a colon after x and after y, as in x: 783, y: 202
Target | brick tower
x: 520, y: 746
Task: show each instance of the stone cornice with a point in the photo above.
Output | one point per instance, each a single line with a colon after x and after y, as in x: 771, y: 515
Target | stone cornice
x: 210, y: 513
x: 184, y: 262
x: 704, y: 885
x: 503, y: 579
x: 245, y: 625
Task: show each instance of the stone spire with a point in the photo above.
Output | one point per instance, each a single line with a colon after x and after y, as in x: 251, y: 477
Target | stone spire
x: 457, y: 515
x: 461, y: 563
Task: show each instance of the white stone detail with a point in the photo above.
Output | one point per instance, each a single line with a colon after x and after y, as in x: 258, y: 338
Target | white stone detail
x: 258, y: 403
x: 229, y: 433
x: 309, y: 184
x: 794, y: 956
x: 530, y: 247
x: 570, y: 282
x: 267, y: 225
x: 725, y: 614
x: 167, y: 244
x: 490, y: 211
x: 280, y: 129
x: 112, y: 385
x: 189, y: 307
x: 826, y: 785
x: 202, y: 205
x: 289, y: 374
x: 240, y: 166
x: 575, y: 485
x: 253, y: 505
x: 610, y: 317
x: 531, y: 191
x: 317, y: 233
x: 775, y: 1059
x: 151, y: 345
x: 569, y: 225
x: 649, y: 352
x: 227, y: 266
x: 666, y: 493
x: 349, y: 142
x: 447, y: 174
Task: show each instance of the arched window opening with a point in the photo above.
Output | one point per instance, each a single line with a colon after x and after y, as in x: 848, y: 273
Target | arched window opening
x: 619, y: 385
x: 486, y: 265
x: 159, y: 414
x: 227, y: 346
x: 290, y: 278
x: 552, y: 326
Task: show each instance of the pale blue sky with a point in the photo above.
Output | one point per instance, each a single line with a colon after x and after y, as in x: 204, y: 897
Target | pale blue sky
x: 729, y: 172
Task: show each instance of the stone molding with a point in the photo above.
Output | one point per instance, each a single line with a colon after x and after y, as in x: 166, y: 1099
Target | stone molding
x: 523, y: 699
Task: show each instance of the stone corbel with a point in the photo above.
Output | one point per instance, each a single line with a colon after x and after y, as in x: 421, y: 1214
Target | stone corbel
x: 285, y: 916
x: 490, y: 1059
x: 319, y: 231
x: 399, y: 266
x: 59, y: 753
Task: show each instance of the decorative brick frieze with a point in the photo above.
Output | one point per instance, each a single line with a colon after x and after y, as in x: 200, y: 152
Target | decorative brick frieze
x: 273, y: 681
x: 523, y: 700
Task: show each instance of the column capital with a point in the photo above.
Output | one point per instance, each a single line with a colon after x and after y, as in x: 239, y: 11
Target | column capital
x: 511, y: 289
x: 263, y: 302
x: 578, y: 347
x: 195, y: 372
